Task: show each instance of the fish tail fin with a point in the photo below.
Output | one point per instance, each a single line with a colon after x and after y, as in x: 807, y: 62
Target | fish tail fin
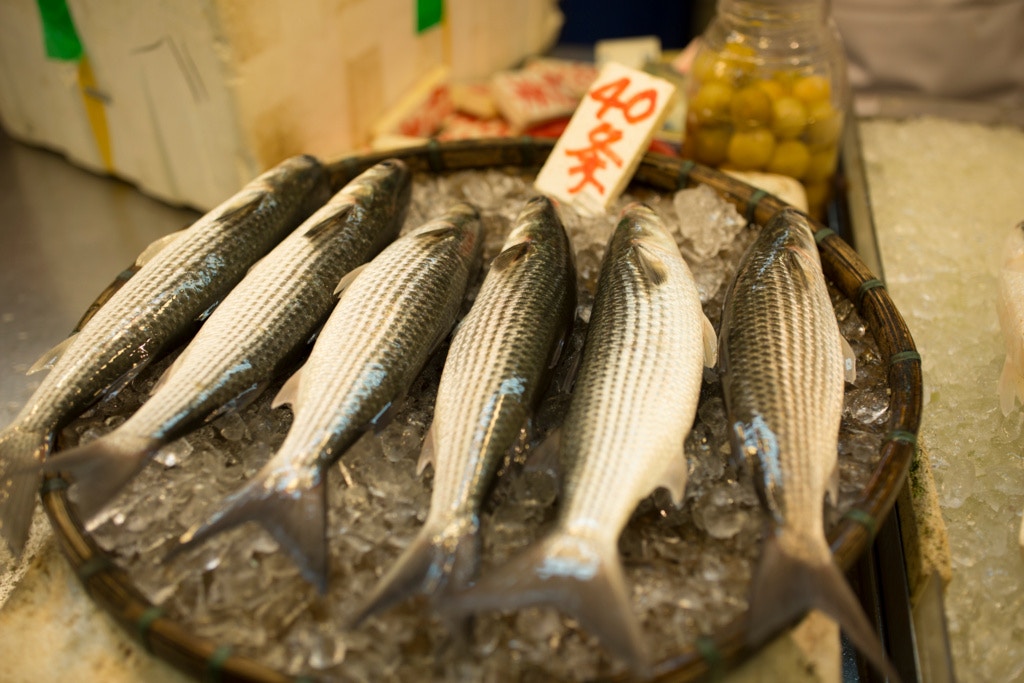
x: 438, y: 558
x: 21, y: 450
x: 98, y: 470
x: 786, y: 586
x: 297, y: 519
x: 581, y: 577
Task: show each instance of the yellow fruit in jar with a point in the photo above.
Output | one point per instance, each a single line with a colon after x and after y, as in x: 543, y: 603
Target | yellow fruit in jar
x: 789, y: 117
x: 740, y: 61
x: 773, y: 88
x: 708, y: 66
x: 751, y: 107
x: 750, y: 150
x: 791, y: 157
x: 711, y: 103
x: 709, y: 144
x: 822, y: 164
x: 823, y: 124
x: 812, y: 89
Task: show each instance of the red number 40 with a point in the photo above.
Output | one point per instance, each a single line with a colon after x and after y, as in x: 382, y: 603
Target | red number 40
x: 636, y: 108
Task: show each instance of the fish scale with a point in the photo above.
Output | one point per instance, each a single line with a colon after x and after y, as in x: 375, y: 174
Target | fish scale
x: 633, y: 404
x: 492, y: 376
x: 179, y: 279
x: 391, y: 315
x: 783, y: 366
x: 259, y: 327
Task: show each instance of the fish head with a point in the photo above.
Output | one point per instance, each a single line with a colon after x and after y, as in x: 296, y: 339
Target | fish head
x: 460, y: 222
x: 640, y: 224
x: 389, y: 178
x: 294, y: 175
x: 538, y: 223
x: 790, y: 232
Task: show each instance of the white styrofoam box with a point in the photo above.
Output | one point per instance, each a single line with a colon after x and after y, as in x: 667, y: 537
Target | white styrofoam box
x: 201, y: 95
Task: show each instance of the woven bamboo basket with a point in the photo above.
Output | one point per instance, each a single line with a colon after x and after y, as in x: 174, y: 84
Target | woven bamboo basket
x: 112, y: 589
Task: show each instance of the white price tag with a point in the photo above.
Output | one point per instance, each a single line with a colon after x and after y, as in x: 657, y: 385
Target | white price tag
x: 596, y: 156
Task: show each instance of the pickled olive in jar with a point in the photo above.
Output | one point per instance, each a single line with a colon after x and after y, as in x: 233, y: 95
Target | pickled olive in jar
x: 789, y: 117
x: 768, y: 92
x: 751, y: 107
x: 750, y: 150
x: 792, y: 158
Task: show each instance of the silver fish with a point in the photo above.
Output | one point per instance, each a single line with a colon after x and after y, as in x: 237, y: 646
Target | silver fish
x: 259, y: 327
x: 783, y: 365
x: 180, y: 278
x: 392, y: 313
x: 495, y: 370
x: 633, y: 405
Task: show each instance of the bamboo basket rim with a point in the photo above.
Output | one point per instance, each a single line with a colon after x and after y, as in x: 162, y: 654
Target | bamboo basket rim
x: 111, y: 588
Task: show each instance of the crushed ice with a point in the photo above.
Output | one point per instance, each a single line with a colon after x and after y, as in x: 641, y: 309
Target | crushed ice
x: 689, y: 568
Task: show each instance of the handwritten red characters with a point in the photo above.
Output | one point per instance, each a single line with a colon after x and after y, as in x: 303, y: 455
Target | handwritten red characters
x: 601, y: 147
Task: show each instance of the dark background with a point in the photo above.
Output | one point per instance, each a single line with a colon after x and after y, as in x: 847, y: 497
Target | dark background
x: 676, y: 22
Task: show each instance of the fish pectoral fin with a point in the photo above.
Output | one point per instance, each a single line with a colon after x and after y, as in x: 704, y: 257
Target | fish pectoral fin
x: 296, y: 518
x: 155, y: 247
x: 289, y: 392
x: 347, y: 279
x: 849, y: 361
x: 710, y: 343
x: 331, y: 222
x: 581, y: 577
x: 649, y: 263
x: 786, y: 586
x: 47, y: 360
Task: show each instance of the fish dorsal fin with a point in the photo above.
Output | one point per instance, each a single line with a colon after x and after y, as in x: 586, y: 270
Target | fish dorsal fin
x: 511, y: 255
x: 155, y: 247
x: 347, y: 279
x: 710, y: 343
x: 649, y: 263
x: 438, y: 231
x: 289, y: 392
x: 331, y: 222
x: 47, y: 360
x: 849, y: 361
x: 427, y: 452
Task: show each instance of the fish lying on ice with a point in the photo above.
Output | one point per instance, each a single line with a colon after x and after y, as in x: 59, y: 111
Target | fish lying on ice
x: 634, y: 402
x: 180, y: 278
x: 493, y: 374
x: 1010, y: 306
x: 393, y: 313
x: 783, y: 363
x: 259, y: 327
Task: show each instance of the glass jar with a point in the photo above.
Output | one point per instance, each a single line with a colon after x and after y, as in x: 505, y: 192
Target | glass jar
x: 768, y: 92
